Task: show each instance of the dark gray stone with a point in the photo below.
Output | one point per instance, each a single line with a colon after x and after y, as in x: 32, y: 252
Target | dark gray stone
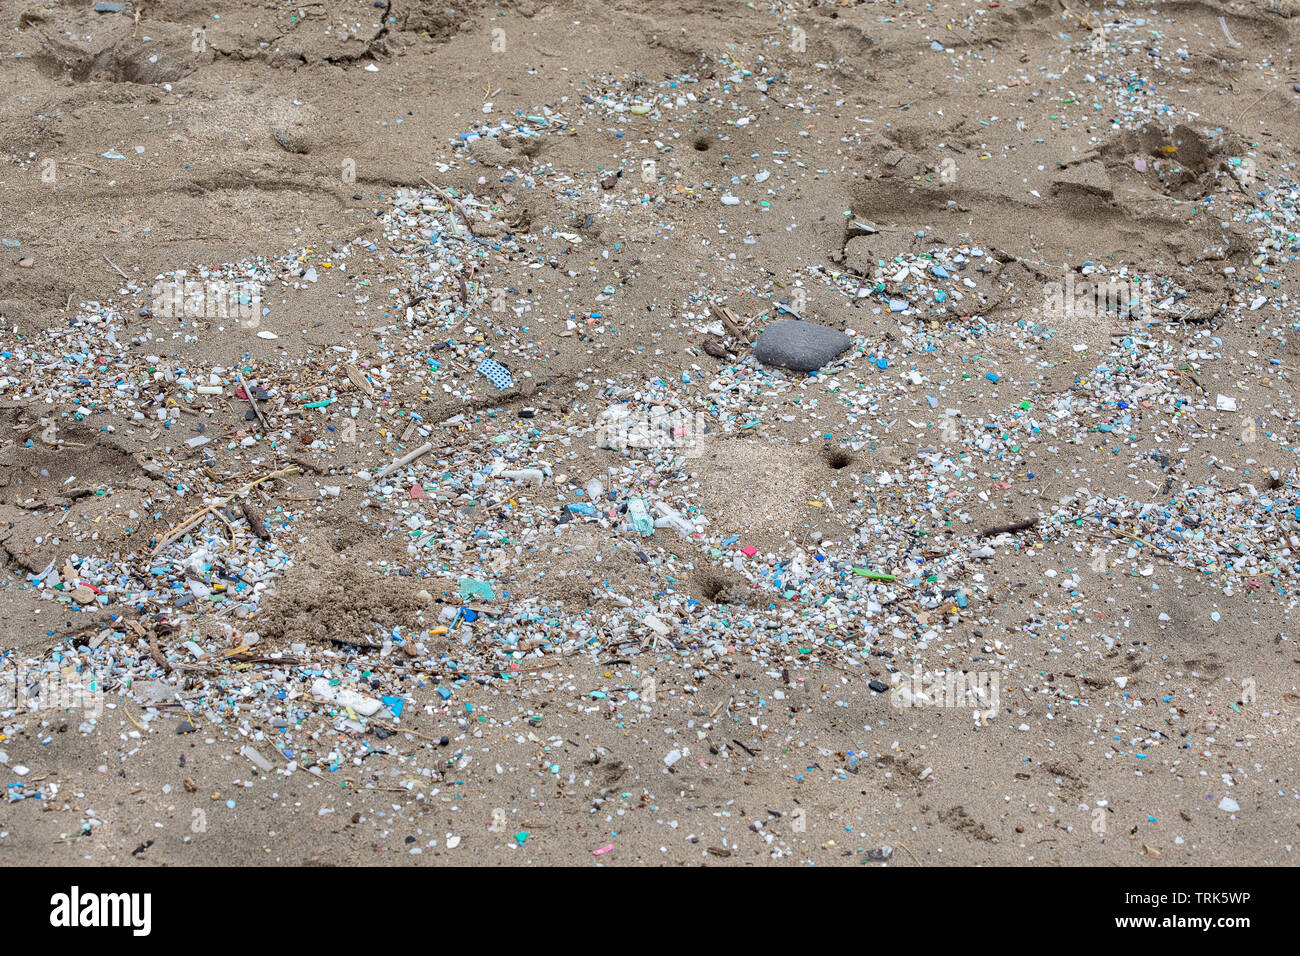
x: 799, y: 345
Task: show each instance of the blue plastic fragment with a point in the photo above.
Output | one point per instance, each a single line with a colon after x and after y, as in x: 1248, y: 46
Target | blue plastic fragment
x: 496, y: 373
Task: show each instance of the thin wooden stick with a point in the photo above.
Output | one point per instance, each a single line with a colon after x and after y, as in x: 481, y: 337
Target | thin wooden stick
x: 198, y: 516
x: 404, y: 461
x: 1009, y: 528
x: 453, y: 205
x: 912, y: 855
x: 114, y: 265
x: 252, y: 401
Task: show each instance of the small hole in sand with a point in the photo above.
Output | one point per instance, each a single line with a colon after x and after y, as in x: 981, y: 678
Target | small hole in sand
x: 838, y: 458
x: 712, y: 585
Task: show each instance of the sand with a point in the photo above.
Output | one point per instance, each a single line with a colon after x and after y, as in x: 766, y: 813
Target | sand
x: 268, y: 134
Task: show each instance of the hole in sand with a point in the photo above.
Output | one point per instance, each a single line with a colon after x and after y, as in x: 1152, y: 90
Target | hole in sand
x: 838, y: 458
x: 710, y: 586
x: 719, y: 588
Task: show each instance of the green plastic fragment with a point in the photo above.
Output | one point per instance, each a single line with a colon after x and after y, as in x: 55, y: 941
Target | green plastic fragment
x: 874, y: 575
x: 470, y: 588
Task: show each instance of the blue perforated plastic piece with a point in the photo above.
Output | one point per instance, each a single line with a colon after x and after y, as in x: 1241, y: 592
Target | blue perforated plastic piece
x: 496, y: 373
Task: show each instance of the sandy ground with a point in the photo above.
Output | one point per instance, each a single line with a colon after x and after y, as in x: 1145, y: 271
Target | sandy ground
x: 1131, y: 703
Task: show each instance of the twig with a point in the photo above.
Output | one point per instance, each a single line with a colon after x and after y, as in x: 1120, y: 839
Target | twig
x: 156, y: 653
x: 114, y: 265
x: 456, y: 206
x: 404, y: 461
x: 248, y: 392
x: 198, y: 516
x: 912, y: 855
x: 724, y: 314
x: 254, y: 521
x: 1009, y: 528
x: 306, y: 465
